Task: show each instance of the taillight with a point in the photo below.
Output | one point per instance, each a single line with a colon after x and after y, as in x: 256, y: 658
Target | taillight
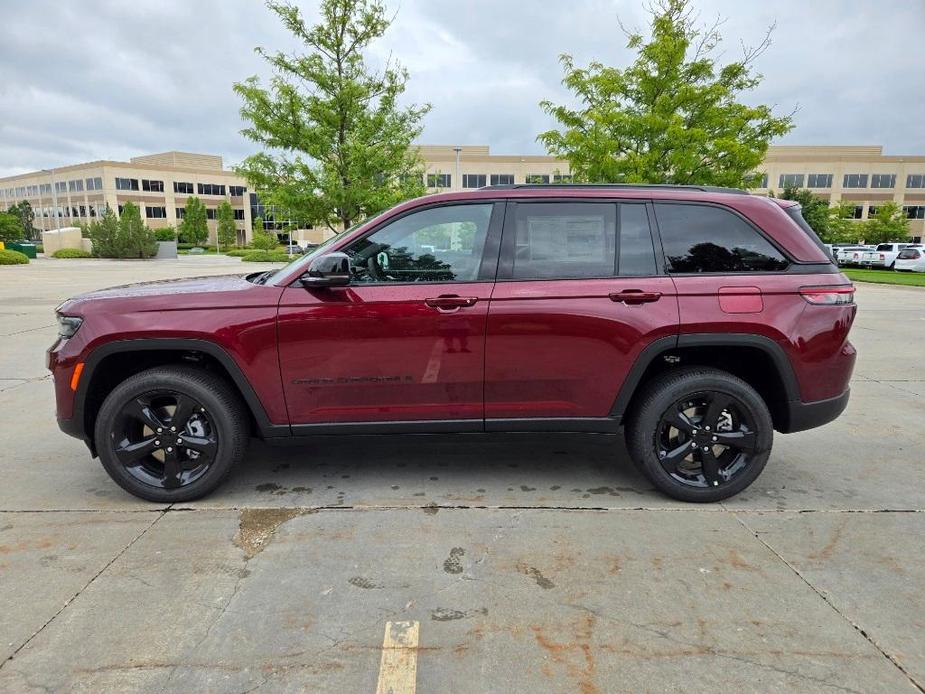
x: 882, y: 257
x: 829, y: 296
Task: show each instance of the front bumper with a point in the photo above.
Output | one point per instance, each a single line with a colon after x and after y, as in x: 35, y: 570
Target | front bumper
x: 809, y: 415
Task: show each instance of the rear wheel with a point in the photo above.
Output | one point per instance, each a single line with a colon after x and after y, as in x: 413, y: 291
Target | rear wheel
x: 171, y: 433
x: 700, y: 434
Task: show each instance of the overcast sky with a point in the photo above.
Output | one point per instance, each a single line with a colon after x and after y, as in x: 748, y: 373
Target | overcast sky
x: 109, y: 79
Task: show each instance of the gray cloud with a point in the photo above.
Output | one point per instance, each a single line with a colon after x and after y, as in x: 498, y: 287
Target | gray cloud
x: 105, y: 79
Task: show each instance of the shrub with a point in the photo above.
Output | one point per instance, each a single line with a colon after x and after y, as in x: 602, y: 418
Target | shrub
x: 182, y: 246
x: 71, y: 253
x: 165, y: 234
x: 239, y: 252
x: 39, y: 248
x: 265, y: 241
x: 266, y: 257
x: 8, y: 257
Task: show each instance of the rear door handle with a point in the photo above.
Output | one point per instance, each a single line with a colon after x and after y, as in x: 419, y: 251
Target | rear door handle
x: 635, y: 296
x: 451, y: 302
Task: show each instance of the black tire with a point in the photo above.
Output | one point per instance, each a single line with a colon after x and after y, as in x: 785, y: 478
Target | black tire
x: 213, y: 420
x: 657, y: 446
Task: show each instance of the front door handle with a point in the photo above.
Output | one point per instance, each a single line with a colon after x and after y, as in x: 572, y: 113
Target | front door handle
x: 450, y: 302
x: 635, y: 296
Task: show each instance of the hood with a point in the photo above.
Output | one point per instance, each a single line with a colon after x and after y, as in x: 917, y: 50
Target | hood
x: 188, y: 292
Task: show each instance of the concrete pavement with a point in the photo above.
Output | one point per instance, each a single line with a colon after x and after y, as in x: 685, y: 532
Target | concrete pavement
x: 530, y: 563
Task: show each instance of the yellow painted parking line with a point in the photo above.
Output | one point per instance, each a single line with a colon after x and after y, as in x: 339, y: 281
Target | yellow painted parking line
x: 398, y: 669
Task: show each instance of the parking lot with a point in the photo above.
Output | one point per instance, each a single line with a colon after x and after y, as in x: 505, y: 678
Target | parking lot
x: 518, y: 563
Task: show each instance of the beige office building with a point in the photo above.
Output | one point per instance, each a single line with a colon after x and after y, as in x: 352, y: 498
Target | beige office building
x: 158, y: 183
x: 862, y: 174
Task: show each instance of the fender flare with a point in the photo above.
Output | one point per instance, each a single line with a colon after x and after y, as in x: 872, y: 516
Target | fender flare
x: 662, y: 345
x: 267, y: 429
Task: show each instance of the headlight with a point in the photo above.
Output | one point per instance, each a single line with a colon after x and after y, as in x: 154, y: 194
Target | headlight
x: 68, y: 325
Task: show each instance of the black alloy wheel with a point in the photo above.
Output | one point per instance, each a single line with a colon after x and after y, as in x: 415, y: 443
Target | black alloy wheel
x: 171, y: 433
x: 164, y: 439
x: 699, y: 434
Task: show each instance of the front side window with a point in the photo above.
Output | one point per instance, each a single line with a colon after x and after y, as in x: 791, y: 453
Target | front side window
x: 703, y: 238
x: 564, y: 240
x: 440, y: 244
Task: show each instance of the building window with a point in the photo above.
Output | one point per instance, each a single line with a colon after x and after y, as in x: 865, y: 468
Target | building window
x: 211, y: 189
x: 855, y: 181
x: 126, y: 184
x: 95, y: 183
x: 156, y: 212
x: 83, y: 210
x: 537, y: 178
x: 474, y: 180
x: 181, y: 212
x: 871, y: 211
x: 152, y: 186
x: 183, y: 187
x: 502, y: 179
x: 914, y: 211
x: 210, y: 213
x: 237, y: 191
x: 60, y: 187
x: 857, y: 212
x: 45, y: 189
x: 883, y: 181
x: 75, y: 186
x: 915, y: 181
x: 790, y: 181
x: 439, y: 180
x: 819, y: 181
x: 239, y: 215
x: 562, y: 178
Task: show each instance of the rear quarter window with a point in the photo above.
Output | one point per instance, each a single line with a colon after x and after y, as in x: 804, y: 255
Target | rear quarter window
x: 705, y: 238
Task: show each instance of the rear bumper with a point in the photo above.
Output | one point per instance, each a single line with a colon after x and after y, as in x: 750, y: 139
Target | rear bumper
x: 809, y: 415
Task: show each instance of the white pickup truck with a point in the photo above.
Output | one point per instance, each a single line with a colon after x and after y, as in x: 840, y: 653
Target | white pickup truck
x: 884, y: 255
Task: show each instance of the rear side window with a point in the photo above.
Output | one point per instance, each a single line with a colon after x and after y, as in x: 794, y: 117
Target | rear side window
x: 908, y: 254
x: 885, y: 247
x: 703, y: 238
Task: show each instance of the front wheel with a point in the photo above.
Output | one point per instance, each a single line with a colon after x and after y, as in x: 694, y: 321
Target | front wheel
x: 700, y: 434
x: 171, y: 433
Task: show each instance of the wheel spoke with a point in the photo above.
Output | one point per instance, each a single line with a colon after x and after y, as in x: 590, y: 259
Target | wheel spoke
x: 680, y: 421
x: 172, y: 469
x: 671, y: 458
x: 185, y: 408
x: 744, y: 441
x: 718, y: 403
x: 132, y: 454
x: 200, y: 444
x: 710, y: 467
x: 141, y: 410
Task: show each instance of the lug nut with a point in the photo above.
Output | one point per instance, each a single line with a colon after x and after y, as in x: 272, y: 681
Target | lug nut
x: 157, y: 443
x: 159, y: 430
x: 714, y: 438
x: 706, y: 448
x: 173, y: 428
x: 181, y: 440
x: 693, y: 444
x: 707, y: 428
x: 169, y: 449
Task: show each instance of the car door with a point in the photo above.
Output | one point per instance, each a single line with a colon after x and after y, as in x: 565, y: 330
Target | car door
x: 579, y: 295
x: 404, y: 342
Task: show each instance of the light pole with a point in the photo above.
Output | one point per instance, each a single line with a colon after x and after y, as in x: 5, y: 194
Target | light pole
x: 457, y: 149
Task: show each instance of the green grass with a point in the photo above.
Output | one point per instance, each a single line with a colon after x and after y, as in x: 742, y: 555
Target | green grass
x: 908, y: 279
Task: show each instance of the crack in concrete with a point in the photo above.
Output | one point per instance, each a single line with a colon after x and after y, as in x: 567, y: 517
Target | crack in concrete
x: 81, y: 590
x: 832, y: 605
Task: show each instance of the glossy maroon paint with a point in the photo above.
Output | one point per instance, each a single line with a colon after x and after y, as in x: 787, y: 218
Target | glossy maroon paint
x: 477, y: 350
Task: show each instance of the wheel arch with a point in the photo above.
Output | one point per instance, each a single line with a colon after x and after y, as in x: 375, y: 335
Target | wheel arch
x: 757, y: 359
x: 110, y: 363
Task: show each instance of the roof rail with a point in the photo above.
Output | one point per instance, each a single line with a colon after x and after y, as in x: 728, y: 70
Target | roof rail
x: 617, y: 186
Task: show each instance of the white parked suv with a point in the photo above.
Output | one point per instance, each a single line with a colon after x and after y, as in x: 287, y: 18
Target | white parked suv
x: 911, y: 259
x: 884, y: 255
x: 850, y: 255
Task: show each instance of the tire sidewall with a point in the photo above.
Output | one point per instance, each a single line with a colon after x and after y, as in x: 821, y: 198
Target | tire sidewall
x: 206, y: 395
x: 644, y: 430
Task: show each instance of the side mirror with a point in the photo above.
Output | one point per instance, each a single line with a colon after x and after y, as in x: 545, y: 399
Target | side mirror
x: 328, y: 270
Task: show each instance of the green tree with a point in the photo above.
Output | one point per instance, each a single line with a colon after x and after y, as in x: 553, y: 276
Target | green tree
x: 26, y: 215
x: 338, y: 145
x: 194, y: 228
x: 264, y: 240
x: 889, y: 223
x: 134, y: 240
x: 104, y: 233
x: 227, y: 230
x: 673, y: 116
x: 10, y: 227
x: 815, y: 210
x: 842, y: 226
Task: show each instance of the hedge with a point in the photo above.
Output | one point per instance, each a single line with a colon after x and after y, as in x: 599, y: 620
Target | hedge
x: 8, y: 257
x: 71, y: 253
x: 266, y: 257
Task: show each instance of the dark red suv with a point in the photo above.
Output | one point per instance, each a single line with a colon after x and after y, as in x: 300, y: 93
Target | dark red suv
x: 696, y: 319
